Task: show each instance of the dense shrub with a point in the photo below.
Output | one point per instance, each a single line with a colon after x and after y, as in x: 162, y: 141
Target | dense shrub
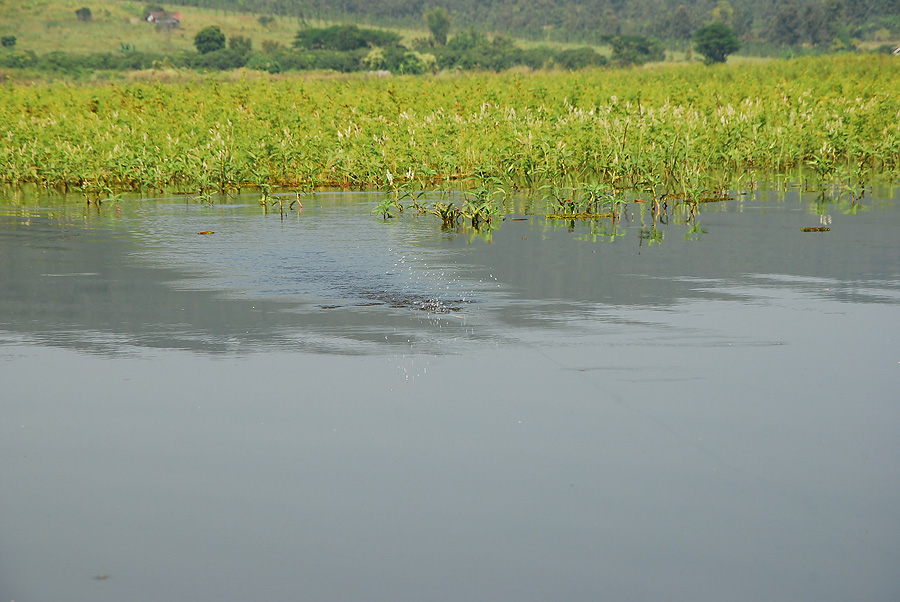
x: 220, y: 60
x: 18, y: 59
x: 61, y: 62
x: 472, y: 50
x: 537, y: 58
x: 578, y: 58
x: 241, y: 44
x: 209, y: 39
x: 466, y: 40
x: 332, y: 60
x: 263, y: 62
x: 636, y: 50
x: 343, y: 38
x: 293, y: 61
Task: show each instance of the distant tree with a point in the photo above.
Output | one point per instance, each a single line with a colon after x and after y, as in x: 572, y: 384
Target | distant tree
x: 815, y: 25
x: 785, y: 28
x: 270, y: 47
x: 636, y: 50
x: 84, y: 14
x: 438, y: 20
x: 209, y: 39
x: 609, y: 23
x: 572, y: 20
x: 742, y: 21
x: 240, y: 44
x: 723, y: 13
x: 681, y: 26
x: 8, y: 41
x: 716, y: 42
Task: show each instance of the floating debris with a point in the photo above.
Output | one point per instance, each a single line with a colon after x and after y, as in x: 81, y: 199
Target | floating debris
x: 580, y: 216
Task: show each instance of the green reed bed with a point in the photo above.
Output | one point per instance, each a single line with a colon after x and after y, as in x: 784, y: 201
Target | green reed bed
x: 680, y: 131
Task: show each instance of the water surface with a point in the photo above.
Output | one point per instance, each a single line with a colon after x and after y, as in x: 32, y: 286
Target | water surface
x: 329, y: 406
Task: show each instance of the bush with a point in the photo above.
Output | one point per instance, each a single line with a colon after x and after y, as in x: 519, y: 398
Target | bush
x: 537, y: 58
x: 8, y: 41
x: 578, y: 58
x: 382, y: 58
x: 293, y: 61
x: 472, y: 50
x: 263, y: 62
x: 414, y: 63
x: 636, y: 50
x: 270, y: 47
x: 331, y: 60
x: 219, y: 60
x: 18, y: 59
x: 343, y: 38
x: 61, y: 62
x: 241, y: 44
x: 84, y: 14
x: 209, y: 39
x: 466, y: 40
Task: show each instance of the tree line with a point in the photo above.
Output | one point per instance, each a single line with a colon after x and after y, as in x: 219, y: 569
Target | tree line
x: 782, y: 22
x: 346, y: 48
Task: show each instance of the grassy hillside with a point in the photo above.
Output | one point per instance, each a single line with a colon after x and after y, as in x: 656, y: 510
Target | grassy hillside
x: 45, y: 26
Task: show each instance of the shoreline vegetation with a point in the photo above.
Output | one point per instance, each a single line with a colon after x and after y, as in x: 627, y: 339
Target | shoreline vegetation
x: 680, y: 132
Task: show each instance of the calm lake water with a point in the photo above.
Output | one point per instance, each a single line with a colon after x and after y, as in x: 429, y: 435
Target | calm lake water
x: 329, y: 406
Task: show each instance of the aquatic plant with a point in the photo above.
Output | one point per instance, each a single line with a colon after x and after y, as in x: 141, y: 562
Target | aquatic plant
x: 582, y: 142
x: 450, y: 214
x: 388, y: 202
x: 480, y: 206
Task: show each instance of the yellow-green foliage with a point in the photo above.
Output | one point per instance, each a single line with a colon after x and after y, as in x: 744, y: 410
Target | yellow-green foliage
x: 665, y: 129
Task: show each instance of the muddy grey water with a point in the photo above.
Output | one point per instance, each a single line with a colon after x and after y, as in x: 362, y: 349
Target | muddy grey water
x: 330, y: 406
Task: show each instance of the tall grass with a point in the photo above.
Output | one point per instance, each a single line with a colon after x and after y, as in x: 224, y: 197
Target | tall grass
x: 680, y: 131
